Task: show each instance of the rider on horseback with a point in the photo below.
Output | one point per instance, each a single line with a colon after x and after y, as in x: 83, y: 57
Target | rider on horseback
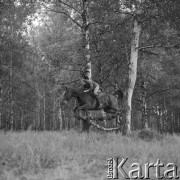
x: 89, y: 84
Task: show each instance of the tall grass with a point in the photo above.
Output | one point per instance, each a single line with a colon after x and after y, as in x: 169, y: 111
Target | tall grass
x: 30, y: 151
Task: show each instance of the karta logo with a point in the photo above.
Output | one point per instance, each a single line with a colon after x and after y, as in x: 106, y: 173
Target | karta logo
x: 137, y: 171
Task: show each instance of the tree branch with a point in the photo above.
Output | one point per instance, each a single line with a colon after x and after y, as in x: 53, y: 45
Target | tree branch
x: 68, y: 5
x: 63, y: 68
x: 62, y: 12
x: 149, y: 52
x: 74, y: 70
x: 118, y: 24
x: 155, y: 46
x: 156, y: 92
x: 111, y: 72
x: 70, y: 82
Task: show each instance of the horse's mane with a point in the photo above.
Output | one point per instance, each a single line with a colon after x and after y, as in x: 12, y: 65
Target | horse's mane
x: 78, y: 92
x: 76, y: 89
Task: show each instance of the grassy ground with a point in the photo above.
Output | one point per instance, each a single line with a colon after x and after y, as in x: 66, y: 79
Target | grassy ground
x: 71, y: 155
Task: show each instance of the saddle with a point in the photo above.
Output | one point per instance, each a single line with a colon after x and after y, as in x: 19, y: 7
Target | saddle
x: 98, y: 97
x: 99, y: 93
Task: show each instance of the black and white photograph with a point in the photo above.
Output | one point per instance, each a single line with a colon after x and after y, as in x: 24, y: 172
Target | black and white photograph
x: 89, y: 89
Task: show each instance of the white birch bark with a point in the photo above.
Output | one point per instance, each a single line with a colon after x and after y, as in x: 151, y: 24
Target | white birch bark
x: 86, y: 39
x: 132, y: 72
x: 86, y: 45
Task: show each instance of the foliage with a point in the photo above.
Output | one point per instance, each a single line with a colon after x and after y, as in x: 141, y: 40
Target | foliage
x: 45, y: 48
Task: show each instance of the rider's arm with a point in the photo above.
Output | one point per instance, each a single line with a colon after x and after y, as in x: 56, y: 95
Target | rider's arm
x: 96, y: 84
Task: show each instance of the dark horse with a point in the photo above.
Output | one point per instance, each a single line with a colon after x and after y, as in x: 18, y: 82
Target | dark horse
x: 87, y: 101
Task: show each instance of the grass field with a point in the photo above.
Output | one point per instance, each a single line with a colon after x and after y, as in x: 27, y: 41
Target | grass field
x: 70, y: 155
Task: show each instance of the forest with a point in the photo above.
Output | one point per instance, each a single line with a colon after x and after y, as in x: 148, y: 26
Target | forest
x: 129, y: 45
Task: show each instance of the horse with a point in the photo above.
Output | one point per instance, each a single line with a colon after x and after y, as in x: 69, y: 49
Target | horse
x: 87, y: 101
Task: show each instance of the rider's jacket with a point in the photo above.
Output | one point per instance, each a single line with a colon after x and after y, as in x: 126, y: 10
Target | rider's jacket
x: 89, y: 84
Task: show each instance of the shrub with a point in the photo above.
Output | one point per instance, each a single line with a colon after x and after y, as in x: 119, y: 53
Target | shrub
x: 149, y: 135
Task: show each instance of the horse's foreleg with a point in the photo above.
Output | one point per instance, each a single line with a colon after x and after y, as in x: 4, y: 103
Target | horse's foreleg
x: 110, y: 111
x: 75, y: 109
x: 77, y: 113
x: 84, y: 107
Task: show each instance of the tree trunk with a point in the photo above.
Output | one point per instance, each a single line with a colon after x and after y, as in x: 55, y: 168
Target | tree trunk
x: 37, y: 126
x: 1, y: 120
x: 144, y: 119
x: 22, y: 119
x: 38, y: 99
x: 0, y: 107
x: 86, y: 40
x: 53, y: 126
x: 84, y: 124
x: 132, y: 73
x: 44, y: 112
x: 1, y: 73
x: 86, y: 47
x: 11, y: 94
x: 165, y: 118
x: 61, y: 117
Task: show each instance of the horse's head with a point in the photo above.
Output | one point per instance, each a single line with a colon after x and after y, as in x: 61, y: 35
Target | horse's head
x: 67, y: 94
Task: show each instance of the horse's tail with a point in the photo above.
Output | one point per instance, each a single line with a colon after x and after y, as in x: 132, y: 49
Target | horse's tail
x: 119, y: 93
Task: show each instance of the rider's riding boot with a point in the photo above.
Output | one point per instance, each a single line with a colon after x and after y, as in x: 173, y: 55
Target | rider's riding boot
x: 98, y: 101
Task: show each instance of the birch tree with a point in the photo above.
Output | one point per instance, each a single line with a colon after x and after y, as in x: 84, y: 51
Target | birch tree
x: 78, y: 13
x: 132, y: 64
x: 144, y: 15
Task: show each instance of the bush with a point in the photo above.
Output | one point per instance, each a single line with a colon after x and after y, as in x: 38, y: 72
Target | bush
x: 149, y: 135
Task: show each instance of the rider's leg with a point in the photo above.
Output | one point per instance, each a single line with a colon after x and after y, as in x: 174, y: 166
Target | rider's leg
x: 98, y: 101
x: 96, y: 89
